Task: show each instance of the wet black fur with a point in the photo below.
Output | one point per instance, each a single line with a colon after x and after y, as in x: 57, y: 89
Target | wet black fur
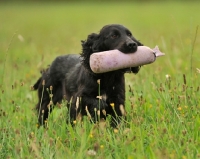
x: 71, y: 77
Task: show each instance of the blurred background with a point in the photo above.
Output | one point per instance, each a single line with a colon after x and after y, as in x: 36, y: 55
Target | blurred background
x: 33, y: 32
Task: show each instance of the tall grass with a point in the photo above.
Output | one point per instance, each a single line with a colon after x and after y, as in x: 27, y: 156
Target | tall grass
x: 162, y: 101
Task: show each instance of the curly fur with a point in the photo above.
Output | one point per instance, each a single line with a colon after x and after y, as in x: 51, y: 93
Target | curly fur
x: 72, y: 78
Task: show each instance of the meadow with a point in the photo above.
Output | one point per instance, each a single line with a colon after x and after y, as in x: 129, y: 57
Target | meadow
x: 162, y: 100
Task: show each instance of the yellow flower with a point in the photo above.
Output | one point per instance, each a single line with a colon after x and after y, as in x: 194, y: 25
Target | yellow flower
x: 91, y: 135
x: 74, y: 122
x: 101, y: 146
x: 184, y: 157
x: 32, y: 133
x: 179, y: 108
x: 112, y: 105
x: 115, y: 131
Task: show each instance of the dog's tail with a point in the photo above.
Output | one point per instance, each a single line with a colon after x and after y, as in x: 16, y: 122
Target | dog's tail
x: 40, y: 80
x: 37, y: 84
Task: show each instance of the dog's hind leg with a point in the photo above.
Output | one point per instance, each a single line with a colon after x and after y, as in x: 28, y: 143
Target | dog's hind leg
x: 43, y: 111
x: 43, y: 107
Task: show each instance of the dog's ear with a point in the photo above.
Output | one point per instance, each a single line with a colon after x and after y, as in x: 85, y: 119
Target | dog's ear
x: 92, y: 38
x: 98, y: 44
x: 88, y: 44
x: 88, y: 47
x: 95, y: 43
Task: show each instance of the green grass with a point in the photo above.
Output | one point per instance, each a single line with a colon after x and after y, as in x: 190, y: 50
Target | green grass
x: 162, y: 113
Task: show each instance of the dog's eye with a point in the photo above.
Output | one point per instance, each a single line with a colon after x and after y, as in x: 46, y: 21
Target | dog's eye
x: 129, y: 34
x: 114, y: 36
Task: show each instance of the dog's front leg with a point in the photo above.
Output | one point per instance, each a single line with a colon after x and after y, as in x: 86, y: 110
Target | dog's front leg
x: 93, y: 107
x: 117, y: 103
x: 86, y: 105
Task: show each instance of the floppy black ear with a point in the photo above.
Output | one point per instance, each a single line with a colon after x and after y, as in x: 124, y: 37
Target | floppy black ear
x: 98, y: 44
x: 89, y: 47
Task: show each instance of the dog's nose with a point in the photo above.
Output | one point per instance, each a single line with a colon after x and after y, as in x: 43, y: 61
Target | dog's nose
x: 132, y: 45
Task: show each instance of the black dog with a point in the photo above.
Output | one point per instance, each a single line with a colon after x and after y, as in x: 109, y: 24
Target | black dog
x: 72, y: 79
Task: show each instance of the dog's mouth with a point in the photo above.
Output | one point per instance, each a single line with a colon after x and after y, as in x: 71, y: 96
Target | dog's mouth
x: 134, y: 70
x: 128, y: 51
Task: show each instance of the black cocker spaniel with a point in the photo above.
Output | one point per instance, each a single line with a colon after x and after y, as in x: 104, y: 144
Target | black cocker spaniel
x: 70, y: 77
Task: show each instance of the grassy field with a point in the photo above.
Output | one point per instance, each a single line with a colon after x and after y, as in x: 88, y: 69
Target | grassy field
x: 162, y: 101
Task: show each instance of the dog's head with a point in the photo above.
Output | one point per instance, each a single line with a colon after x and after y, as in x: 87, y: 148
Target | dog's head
x: 111, y: 37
